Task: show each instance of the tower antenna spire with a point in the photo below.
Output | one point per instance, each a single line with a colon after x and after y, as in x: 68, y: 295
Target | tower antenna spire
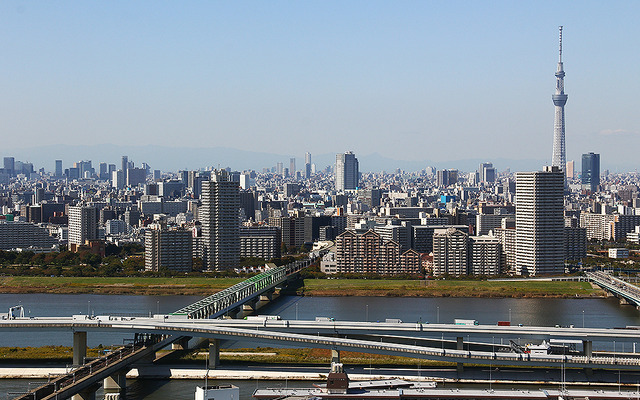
x: 560, y: 28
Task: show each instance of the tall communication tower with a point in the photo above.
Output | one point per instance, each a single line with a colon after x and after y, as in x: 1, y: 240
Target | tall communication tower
x: 559, y: 158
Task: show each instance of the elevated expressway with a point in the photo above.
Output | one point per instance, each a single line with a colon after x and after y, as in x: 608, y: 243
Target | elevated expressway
x: 335, y: 335
x: 626, y: 292
x: 236, y: 299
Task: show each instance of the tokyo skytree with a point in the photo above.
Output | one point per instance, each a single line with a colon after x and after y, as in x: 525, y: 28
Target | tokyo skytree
x: 559, y: 158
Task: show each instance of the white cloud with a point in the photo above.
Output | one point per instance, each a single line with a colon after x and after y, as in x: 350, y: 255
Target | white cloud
x: 617, y: 132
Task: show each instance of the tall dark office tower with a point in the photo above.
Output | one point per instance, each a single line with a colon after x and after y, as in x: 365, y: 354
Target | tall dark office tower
x: 307, y: 165
x: 58, y: 167
x: 559, y: 158
x: 9, y: 165
x: 103, y: 171
x: 220, y: 218
x: 347, y: 173
x: 591, y: 171
x: 125, y: 167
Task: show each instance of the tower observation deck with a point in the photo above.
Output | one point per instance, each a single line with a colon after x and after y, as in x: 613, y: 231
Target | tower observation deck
x: 559, y: 158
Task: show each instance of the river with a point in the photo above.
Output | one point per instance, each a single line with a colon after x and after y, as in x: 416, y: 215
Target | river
x: 542, y: 312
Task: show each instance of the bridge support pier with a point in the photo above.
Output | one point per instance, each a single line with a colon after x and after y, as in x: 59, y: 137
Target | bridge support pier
x: 335, y: 356
x: 214, y: 353
x: 233, y: 314
x: 79, y: 347
x: 267, y: 296
x: 459, y: 346
x: 182, y: 344
x: 87, y: 394
x: 115, y: 384
x: 587, y: 348
x: 250, y: 305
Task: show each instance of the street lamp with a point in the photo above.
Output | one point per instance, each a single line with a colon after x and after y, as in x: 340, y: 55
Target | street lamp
x: 438, y: 318
x: 366, y: 313
x: 509, y: 315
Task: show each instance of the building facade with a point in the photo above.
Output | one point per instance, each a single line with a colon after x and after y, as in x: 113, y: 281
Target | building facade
x: 83, y: 225
x: 170, y: 249
x: 347, y: 172
x: 260, y: 241
x: 450, y: 252
x: 540, y: 222
x: 220, y: 219
x: 590, y: 172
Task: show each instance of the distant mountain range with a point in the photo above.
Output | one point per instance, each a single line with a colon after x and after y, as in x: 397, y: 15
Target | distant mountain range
x: 179, y: 158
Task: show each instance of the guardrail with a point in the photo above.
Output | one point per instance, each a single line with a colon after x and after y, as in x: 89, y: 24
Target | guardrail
x: 616, y: 285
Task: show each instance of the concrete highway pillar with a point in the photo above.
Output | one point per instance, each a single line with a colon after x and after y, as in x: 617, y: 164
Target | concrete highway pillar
x: 116, y: 383
x: 214, y: 353
x: 459, y: 346
x: 335, y: 356
x: 587, y: 347
x: 87, y: 394
x: 79, y: 347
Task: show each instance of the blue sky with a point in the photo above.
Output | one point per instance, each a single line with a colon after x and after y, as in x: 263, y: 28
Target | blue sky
x: 410, y: 80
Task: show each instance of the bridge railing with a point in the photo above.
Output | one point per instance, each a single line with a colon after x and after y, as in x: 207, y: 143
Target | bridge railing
x: 617, y: 285
x: 90, y: 368
x: 244, y: 290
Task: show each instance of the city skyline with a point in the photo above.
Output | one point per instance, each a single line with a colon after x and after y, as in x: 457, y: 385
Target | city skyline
x: 401, y: 80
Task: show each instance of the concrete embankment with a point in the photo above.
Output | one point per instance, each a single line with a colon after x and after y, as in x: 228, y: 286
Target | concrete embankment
x: 442, y: 376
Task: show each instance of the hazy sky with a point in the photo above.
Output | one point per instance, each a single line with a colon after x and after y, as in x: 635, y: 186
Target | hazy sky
x: 410, y: 80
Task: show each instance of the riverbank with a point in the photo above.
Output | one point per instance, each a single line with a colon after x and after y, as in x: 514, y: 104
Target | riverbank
x: 200, y: 286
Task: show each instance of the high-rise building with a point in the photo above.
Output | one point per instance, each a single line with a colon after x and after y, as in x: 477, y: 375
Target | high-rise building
x: 450, y: 252
x: 58, y: 168
x: 171, y: 249
x: 347, y: 172
x: 103, y: 175
x: 292, y: 166
x: 559, y: 158
x: 446, y: 177
x: 591, y: 172
x: 570, y: 169
x: 307, y: 165
x: 485, y: 256
x: 220, y: 218
x: 124, y: 167
x: 83, y: 225
x: 486, y: 173
x: 9, y: 165
x: 136, y: 176
x: 540, y: 222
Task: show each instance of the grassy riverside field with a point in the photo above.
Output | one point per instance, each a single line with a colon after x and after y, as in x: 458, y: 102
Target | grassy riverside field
x: 306, y: 356
x: 449, y: 288
x: 312, y: 287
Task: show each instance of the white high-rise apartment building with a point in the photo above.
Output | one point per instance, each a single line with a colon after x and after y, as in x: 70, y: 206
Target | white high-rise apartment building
x: 83, y: 224
x: 540, y: 222
x: 220, y: 218
x: 347, y: 173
